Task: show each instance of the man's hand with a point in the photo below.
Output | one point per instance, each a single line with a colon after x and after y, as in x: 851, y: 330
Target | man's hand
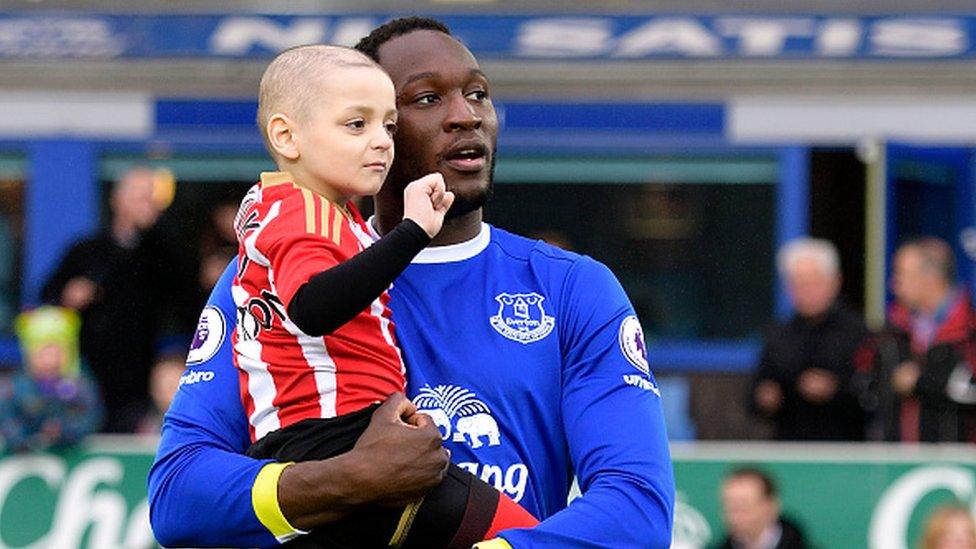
x: 816, y: 385
x: 78, y: 293
x: 905, y: 377
x: 769, y: 396
x: 400, y: 454
x: 426, y: 201
x: 396, y: 460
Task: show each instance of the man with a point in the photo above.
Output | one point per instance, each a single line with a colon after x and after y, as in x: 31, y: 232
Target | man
x: 751, y: 513
x: 529, y: 360
x: 924, y: 359
x: 119, y: 281
x: 806, y: 379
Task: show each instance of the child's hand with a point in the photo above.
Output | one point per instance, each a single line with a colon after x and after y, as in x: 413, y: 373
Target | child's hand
x: 425, y: 201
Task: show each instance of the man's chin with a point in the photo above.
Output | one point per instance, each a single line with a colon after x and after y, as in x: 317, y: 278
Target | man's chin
x: 469, y: 201
x: 470, y: 193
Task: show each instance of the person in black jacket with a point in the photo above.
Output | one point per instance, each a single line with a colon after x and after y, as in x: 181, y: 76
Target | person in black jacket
x: 923, y: 362
x: 119, y: 280
x: 751, y: 513
x: 806, y: 382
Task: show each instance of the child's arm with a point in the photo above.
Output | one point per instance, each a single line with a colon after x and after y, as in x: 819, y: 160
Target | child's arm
x: 335, y: 293
x: 334, y: 296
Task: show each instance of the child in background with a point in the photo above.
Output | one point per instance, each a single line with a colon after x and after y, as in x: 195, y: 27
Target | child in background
x: 52, y: 402
x: 164, y: 381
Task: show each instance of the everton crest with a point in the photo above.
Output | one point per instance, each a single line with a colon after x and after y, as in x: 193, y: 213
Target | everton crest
x: 522, y: 318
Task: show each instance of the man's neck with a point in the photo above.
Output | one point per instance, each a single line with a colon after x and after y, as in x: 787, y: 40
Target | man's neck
x: 766, y: 539
x: 124, y: 233
x: 459, y: 229
x: 454, y: 231
x: 935, y: 302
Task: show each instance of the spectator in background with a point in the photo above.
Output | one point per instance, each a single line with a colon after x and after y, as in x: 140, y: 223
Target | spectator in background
x: 218, y: 245
x: 924, y: 358
x: 751, y: 513
x: 949, y: 527
x: 8, y: 263
x: 164, y: 380
x: 212, y: 265
x: 806, y: 380
x: 51, y: 402
x: 122, y: 281
x: 220, y: 232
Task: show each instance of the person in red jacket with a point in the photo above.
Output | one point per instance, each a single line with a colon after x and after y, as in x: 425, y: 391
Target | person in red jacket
x: 923, y: 362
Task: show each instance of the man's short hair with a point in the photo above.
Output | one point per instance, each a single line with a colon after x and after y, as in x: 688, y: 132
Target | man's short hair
x: 936, y: 254
x: 823, y: 252
x: 370, y: 44
x: 769, y: 489
x: 285, y: 83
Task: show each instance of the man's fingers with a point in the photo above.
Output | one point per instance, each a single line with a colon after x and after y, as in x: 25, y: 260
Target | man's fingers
x: 396, y: 407
x: 419, y: 419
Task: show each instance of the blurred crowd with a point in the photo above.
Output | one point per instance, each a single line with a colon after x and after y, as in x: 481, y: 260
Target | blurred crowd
x: 824, y: 376
x: 106, y: 349
x: 754, y: 518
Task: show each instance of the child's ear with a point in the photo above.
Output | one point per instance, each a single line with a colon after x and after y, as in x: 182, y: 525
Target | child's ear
x: 281, y: 135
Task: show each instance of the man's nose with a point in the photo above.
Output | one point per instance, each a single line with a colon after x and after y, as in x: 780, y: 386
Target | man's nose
x: 461, y: 114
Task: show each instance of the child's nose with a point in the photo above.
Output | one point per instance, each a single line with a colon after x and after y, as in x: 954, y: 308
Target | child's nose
x: 383, y: 140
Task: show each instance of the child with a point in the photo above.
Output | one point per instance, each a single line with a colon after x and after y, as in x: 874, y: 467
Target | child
x: 314, y: 342
x: 164, y: 381
x: 52, y: 402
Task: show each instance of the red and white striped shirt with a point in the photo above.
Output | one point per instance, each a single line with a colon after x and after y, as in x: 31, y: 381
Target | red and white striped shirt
x: 286, y: 235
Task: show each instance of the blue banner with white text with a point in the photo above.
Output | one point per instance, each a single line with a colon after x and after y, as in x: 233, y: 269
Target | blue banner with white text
x: 604, y: 37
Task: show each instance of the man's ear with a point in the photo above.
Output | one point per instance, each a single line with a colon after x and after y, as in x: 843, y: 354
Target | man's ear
x: 281, y: 135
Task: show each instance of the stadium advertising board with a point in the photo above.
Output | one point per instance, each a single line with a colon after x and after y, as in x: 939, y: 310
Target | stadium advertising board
x: 844, y: 496
x: 623, y: 37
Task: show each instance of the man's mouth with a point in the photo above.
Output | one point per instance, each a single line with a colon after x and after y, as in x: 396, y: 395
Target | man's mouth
x: 467, y: 156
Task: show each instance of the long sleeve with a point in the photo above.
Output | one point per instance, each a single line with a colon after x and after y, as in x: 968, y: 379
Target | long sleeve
x: 319, y: 307
x: 69, y: 267
x: 764, y: 372
x: 200, y: 484
x: 614, y: 425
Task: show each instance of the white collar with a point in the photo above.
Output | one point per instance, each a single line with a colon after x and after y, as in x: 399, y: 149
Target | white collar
x: 449, y: 253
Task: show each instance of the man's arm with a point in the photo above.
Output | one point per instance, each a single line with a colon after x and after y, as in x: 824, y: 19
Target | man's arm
x: 614, y: 426
x: 69, y: 268
x: 204, y: 492
x: 765, y: 391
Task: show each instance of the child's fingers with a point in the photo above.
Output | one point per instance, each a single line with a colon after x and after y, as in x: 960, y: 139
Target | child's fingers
x: 437, y: 197
x: 447, y: 201
x: 433, y: 182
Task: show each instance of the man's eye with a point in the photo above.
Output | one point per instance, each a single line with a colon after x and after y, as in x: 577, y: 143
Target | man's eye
x: 356, y: 124
x: 428, y: 99
x: 478, y: 95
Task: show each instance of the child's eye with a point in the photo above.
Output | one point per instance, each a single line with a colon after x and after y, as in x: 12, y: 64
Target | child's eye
x: 391, y: 128
x: 356, y: 124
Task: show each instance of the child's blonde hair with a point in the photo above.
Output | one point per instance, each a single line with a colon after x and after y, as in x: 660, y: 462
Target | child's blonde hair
x: 284, y: 86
